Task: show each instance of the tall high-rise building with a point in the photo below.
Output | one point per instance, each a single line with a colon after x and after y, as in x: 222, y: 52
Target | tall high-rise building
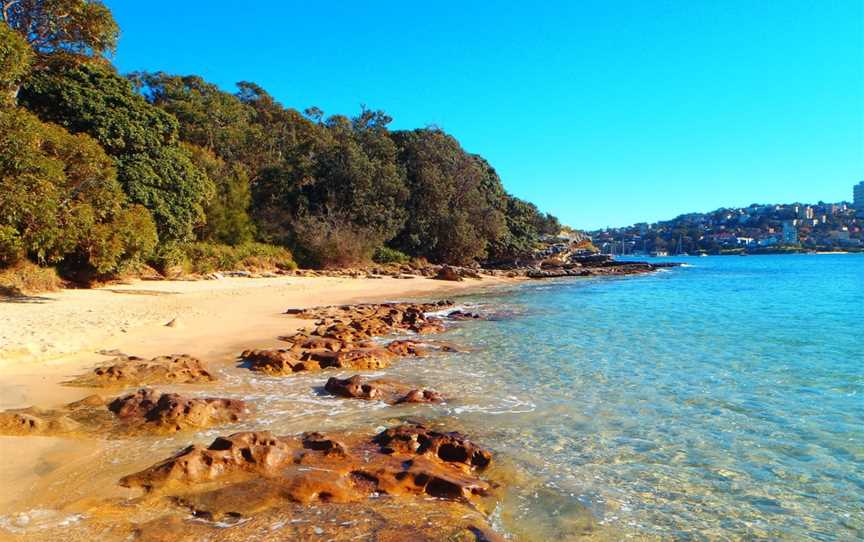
x: 858, y: 197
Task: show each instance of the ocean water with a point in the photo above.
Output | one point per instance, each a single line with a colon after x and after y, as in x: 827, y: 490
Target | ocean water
x: 723, y: 400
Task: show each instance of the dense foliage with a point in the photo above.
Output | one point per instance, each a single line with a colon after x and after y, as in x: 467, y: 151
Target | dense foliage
x: 95, y: 165
x: 61, y: 200
x: 152, y: 166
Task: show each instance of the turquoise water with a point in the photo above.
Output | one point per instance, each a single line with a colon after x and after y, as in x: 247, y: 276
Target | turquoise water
x: 722, y: 400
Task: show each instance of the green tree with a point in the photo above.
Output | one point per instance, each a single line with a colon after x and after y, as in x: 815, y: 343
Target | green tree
x: 227, y: 212
x: 208, y: 117
x: 77, y: 27
x: 15, y: 59
x: 337, y: 193
x: 152, y: 167
x: 61, y: 200
x: 454, y: 207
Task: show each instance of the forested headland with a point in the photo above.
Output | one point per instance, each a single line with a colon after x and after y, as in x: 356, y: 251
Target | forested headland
x: 102, y: 173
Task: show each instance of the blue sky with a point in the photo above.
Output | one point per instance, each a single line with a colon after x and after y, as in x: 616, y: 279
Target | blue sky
x: 602, y: 112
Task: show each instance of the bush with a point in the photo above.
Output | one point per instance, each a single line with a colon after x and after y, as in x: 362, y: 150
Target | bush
x: 384, y: 255
x: 26, y: 278
x: 334, y: 241
x: 210, y: 257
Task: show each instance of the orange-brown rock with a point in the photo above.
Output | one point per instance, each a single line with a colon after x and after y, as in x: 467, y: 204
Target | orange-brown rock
x: 452, y: 447
x: 319, y: 468
x: 389, y: 391
x: 463, y: 315
x: 173, y: 412
x: 276, y: 361
x: 143, y: 411
x: 133, y: 371
x: 405, y: 348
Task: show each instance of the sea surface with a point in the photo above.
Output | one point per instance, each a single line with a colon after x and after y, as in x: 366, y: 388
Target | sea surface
x: 721, y: 400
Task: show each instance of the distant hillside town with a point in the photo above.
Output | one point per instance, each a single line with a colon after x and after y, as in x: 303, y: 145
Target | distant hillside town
x: 794, y: 227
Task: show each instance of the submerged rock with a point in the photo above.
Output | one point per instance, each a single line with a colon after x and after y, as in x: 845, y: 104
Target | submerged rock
x: 123, y: 371
x: 389, y: 391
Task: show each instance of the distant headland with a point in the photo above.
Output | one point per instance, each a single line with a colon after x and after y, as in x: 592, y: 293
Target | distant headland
x: 756, y: 229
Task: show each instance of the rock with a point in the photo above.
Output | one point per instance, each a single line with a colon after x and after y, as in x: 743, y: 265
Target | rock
x: 260, y: 470
x: 405, y: 348
x: 24, y: 422
x: 173, y: 412
x: 450, y: 447
x: 143, y: 411
x: 133, y: 371
x: 448, y: 273
x: 341, y: 337
x: 463, y: 315
x: 388, y: 391
x: 172, y: 323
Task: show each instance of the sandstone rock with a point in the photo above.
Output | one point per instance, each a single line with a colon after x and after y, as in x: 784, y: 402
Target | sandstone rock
x: 448, y: 273
x: 406, y: 348
x: 134, y: 371
x: 463, y: 315
x: 358, y: 387
x: 173, y: 412
x: 410, y: 461
x: 451, y: 447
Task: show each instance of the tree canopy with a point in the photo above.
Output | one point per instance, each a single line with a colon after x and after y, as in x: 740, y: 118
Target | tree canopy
x: 79, y: 27
x: 152, y: 166
x: 61, y: 200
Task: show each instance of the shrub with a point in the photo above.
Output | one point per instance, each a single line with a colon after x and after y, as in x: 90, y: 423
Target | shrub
x: 333, y: 241
x: 210, y: 257
x: 61, y: 201
x: 384, y: 255
x: 26, y: 278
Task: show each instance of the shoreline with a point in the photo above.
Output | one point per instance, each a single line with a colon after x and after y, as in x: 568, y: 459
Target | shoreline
x: 51, y: 336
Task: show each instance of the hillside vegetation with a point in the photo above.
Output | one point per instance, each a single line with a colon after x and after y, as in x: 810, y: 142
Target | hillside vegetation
x: 101, y: 173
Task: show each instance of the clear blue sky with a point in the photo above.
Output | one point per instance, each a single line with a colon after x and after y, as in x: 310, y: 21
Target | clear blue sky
x: 602, y: 112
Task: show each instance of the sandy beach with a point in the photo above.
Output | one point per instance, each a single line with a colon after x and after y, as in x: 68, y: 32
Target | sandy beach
x: 46, y: 338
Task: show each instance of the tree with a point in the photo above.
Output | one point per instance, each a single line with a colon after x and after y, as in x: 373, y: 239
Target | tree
x: 15, y: 59
x: 227, y: 212
x: 208, y: 117
x: 340, y: 178
x: 152, y: 167
x: 61, y: 200
x: 77, y: 27
x: 452, y: 208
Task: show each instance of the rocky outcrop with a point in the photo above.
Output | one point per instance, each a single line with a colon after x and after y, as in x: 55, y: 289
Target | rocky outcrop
x: 406, y: 461
x: 285, y: 361
x: 341, y: 336
x: 124, y: 371
x: 388, y: 391
x: 172, y: 412
x: 448, y: 273
x: 145, y: 411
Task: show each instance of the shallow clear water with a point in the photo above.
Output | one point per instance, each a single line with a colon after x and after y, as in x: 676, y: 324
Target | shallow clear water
x: 723, y: 400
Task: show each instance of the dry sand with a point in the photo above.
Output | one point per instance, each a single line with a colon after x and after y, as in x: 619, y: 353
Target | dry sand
x: 47, y: 338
